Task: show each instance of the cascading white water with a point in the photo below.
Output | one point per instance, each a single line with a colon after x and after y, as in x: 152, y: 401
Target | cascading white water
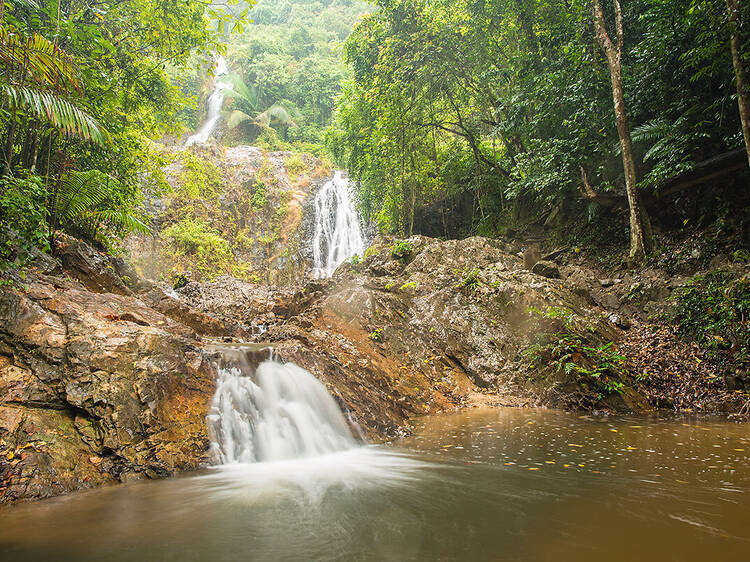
x: 338, y: 233
x: 214, y: 103
x: 282, y: 412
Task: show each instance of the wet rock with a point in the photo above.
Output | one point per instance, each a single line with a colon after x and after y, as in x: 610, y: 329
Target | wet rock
x: 391, y: 342
x: 546, y: 269
x: 91, y: 268
x: 94, y: 375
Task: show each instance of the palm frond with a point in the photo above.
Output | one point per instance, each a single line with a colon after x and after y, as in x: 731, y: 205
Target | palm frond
x: 61, y: 113
x: 88, y: 198
x: 236, y: 117
x: 275, y: 113
x: 40, y: 59
x: 238, y: 89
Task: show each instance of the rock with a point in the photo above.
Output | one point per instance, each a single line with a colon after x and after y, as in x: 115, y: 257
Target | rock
x: 619, y: 321
x: 546, y: 269
x: 455, y: 334
x: 100, y: 376
x: 719, y: 260
x: 91, y: 268
x: 168, y: 303
x: 606, y: 282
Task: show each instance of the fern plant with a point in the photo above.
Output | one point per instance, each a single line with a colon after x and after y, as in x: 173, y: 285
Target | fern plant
x: 87, y: 204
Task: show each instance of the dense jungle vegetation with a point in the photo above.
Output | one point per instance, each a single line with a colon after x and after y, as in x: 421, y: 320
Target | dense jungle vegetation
x: 510, y: 102
x: 484, y: 114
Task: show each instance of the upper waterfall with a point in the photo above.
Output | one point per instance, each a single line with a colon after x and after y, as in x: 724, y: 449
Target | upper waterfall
x: 213, y: 105
x: 278, y: 412
x: 338, y: 233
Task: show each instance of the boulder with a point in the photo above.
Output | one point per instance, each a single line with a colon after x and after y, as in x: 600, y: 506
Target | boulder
x: 91, y: 268
x: 546, y: 269
x: 95, y: 388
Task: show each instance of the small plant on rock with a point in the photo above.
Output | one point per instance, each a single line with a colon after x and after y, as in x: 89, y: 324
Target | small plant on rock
x: 377, y: 334
x: 402, y: 250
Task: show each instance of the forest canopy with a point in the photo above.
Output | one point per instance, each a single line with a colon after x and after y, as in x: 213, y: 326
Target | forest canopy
x: 511, y: 101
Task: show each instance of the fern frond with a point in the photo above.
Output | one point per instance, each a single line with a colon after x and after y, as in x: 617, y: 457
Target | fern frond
x: 123, y: 220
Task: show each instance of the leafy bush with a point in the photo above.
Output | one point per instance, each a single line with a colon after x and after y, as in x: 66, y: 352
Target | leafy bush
x: 22, y: 211
x: 597, y: 366
x: 195, y: 238
x: 402, y: 250
x: 295, y: 165
x: 714, y: 310
x: 377, y: 335
x: 408, y: 286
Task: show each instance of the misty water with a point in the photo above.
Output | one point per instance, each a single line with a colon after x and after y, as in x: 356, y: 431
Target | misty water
x: 488, y: 484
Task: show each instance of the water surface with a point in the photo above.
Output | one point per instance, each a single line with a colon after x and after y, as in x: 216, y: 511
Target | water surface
x: 507, y: 484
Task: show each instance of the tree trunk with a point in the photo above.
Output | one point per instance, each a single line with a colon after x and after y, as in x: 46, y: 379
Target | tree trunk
x: 640, y: 225
x: 743, y: 96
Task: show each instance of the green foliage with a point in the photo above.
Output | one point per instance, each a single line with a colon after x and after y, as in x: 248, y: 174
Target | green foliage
x: 402, y: 250
x: 508, y: 102
x: 200, y: 178
x: 259, y: 200
x: 411, y: 285
x: 469, y: 281
x: 355, y: 260
x: 83, y: 89
x: 23, y: 224
x: 370, y: 251
x: 194, y: 237
x: 741, y: 256
x: 598, y: 367
x: 714, y: 310
x: 289, y: 72
x: 377, y: 334
x: 295, y: 165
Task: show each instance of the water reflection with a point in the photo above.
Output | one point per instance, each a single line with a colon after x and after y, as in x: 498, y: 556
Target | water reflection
x: 481, y: 485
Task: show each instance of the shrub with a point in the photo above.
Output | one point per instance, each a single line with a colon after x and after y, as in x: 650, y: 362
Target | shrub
x: 193, y: 237
x: 377, y: 335
x: 295, y: 165
x: 402, y: 250
x: 714, y: 311
x: 598, y: 367
x: 22, y: 210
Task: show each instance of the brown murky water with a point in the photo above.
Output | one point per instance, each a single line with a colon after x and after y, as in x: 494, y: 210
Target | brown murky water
x: 508, y: 484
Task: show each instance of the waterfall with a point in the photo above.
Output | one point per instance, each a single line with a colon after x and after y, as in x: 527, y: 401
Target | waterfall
x: 213, y: 105
x: 278, y: 411
x: 338, y: 234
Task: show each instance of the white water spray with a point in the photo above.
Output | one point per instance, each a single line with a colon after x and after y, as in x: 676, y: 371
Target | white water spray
x: 338, y: 234
x: 282, y: 412
x: 214, y: 103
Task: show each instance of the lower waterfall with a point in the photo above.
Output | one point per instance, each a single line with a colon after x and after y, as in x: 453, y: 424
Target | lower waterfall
x: 275, y: 412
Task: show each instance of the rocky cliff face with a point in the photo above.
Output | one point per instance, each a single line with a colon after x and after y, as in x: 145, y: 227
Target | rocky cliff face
x: 108, y: 378
x: 229, y: 211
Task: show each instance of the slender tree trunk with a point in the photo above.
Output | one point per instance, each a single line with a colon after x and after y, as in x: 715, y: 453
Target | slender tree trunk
x: 743, y: 95
x: 640, y: 225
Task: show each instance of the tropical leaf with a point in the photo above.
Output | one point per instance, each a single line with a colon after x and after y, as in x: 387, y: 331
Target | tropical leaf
x: 34, y: 56
x: 275, y: 113
x: 87, y: 199
x: 236, y: 117
x: 123, y: 220
x: 238, y: 89
x: 61, y: 113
